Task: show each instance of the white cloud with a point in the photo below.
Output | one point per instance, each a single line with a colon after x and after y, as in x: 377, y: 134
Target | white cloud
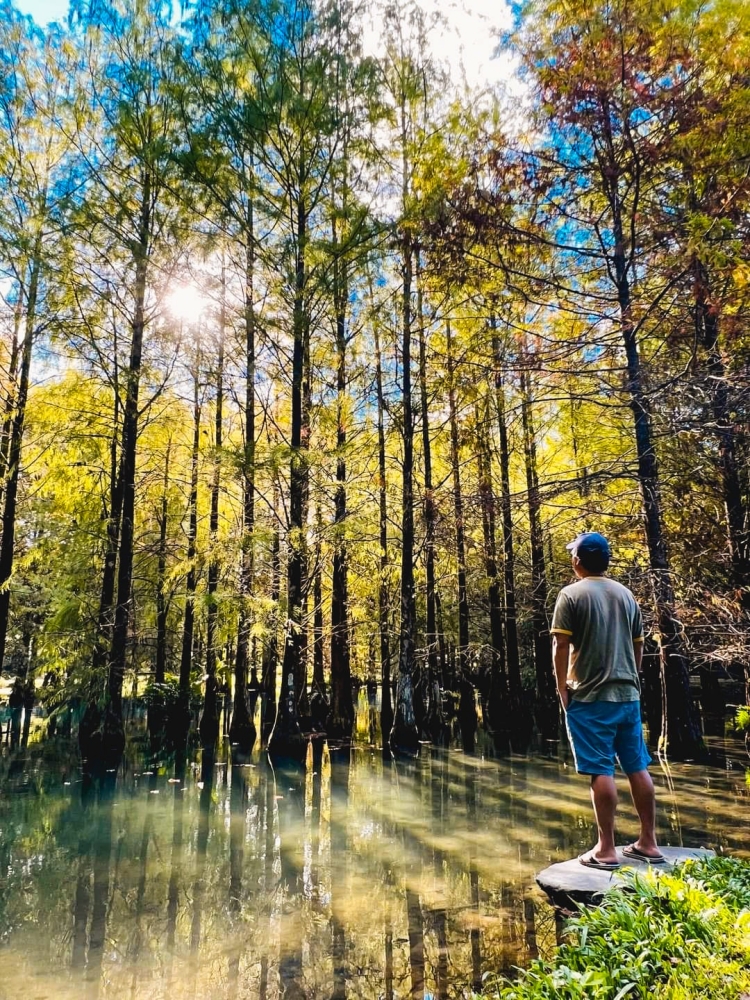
x: 44, y: 11
x: 463, y: 37
x: 466, y: 38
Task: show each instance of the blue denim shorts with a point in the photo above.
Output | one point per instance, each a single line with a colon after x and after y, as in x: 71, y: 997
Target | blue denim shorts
x: 599, y: 731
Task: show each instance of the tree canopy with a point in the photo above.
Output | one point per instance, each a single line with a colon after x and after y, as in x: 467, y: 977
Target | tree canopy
x: 314, y: 358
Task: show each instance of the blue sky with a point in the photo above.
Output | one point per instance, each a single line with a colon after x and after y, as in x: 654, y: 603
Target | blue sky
x: 44, y: 11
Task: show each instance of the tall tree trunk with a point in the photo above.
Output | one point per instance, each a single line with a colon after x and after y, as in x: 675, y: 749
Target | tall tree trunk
x: 545, y: 682
x: 155, y: 711
x: 434, y: 721
x: 319, y: 705
x: 734, y: 506
x: 386, y: 708
x: 513, y: 659
x: 286, y: 738
x: 498, y: 692
x: 681, y: 735
x: 404, y: 734
x: 161, y: 571
x: 113, y: 734
x: 109, y: 575
x: 341, y: 719
x: 188, y: 625
x: 272, y: 647
x: 319, y: 680
x: 581, y: 472
x: 209, y: 724
x: 242, y: 729
x: 300, y: 682
x: 463, y: 600
x: 7, y: 544
x: 467, y: 707
x: 10, y: 398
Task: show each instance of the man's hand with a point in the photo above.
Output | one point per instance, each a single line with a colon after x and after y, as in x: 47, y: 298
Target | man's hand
x: 561, y: 655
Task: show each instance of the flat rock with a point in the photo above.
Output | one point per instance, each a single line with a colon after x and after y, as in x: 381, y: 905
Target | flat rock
x: 570, y: 882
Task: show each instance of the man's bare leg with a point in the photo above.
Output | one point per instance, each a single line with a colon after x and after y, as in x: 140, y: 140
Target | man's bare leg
x: 604, y: 799
x: 644, y: 800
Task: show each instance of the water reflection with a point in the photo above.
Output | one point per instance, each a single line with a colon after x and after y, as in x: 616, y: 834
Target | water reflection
x: 351, y: 876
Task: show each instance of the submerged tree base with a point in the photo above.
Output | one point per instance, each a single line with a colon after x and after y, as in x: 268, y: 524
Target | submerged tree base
x: 404, y: 738
x: 101, y: 735
x: 287, y: 745
x: 242, y: 730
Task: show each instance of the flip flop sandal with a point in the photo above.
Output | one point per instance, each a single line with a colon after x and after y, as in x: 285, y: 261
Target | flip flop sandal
x: 631, y: 851
x: 604, y: 866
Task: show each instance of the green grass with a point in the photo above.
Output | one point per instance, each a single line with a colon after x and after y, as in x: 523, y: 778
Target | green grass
x: 678, y: 936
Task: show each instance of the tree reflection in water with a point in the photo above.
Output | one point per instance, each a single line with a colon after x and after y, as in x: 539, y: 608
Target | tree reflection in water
x: 474, y: 932
x: 176, y: 856
x: 355, y: 876
x: 208, y: 769
x: 340, y: 760
x: 289, y: 778
x: 237, y: 810
x: 105, y: 784
x: 268, y: 784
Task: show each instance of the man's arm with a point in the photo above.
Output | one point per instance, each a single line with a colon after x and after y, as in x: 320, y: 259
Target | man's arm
x: 561, y: 656
x: 637, y: 634
x: 638, y: 651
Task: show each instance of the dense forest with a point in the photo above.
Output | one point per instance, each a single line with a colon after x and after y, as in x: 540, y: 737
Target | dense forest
x: 314, y: 358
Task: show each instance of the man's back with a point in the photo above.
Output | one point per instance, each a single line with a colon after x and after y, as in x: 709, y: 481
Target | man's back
x: 603, y: 620
x: 597, y: 653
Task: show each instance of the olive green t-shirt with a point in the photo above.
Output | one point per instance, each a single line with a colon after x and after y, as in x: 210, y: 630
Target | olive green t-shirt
x: 603, y: 621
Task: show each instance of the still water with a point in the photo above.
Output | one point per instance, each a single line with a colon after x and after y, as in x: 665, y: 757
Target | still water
x: 353, y: 877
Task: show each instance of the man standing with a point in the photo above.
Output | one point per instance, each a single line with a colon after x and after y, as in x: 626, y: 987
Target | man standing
x: 598, y: 646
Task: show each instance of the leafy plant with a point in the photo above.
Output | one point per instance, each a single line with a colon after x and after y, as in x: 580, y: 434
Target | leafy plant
x: 165, y: 696
x: 678, y: 936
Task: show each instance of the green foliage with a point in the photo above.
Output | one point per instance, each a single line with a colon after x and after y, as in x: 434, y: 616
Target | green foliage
x: 164, y: 696
x: 742, y: 719
x: 183, y: 151
x: 677, y: 936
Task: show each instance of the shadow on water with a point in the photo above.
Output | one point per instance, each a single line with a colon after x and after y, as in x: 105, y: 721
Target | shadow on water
x: 348, y: 875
